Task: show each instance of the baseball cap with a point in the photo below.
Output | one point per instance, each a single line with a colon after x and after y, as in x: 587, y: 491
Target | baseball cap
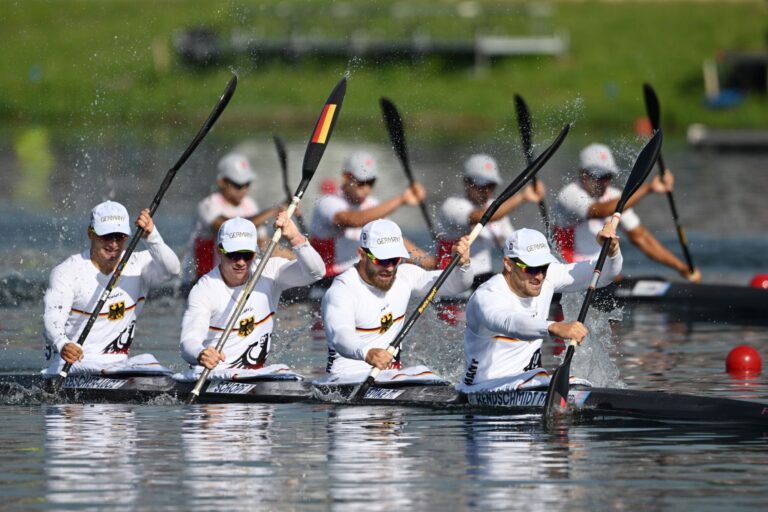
x: 597, y: 160
x: 360, y: 165
x: 383, y: 239
x: 529, y: 246
x: 236, y: 168
x: 238, y: 234
x: 110, y: 217
x: 482, y: 170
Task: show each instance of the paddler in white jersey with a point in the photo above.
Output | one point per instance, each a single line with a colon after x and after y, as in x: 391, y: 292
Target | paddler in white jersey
x: 76, y: 286
x: 338, y: 218
x: 507, y: 315
x: 459, y: 214
x: 364, y: 309
x: 215, y: 296
x: 583, y: 206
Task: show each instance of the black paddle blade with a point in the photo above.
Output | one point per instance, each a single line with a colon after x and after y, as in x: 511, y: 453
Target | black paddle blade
x: 283, y: 158
x: 524, y: 122
x: 652, y: 106
x: 527, y: 174
x: 641, y: 169
x: 394, y: 124
x: 323, y: 130
x: 557, y: 393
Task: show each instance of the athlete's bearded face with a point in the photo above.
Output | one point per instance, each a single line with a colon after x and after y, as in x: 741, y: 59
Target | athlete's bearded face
x: 381, y: 275
x: 522, y: 283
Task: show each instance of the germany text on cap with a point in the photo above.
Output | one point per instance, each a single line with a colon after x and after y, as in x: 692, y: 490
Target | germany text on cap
x: 383, y: 239
x: 530, y: 247
x: 110, y: 217
x: 238, y: 234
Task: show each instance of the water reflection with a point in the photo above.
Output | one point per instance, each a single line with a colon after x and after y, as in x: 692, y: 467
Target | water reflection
x: 228, y: 455
x: 368, y: 459
x: 91, y: 453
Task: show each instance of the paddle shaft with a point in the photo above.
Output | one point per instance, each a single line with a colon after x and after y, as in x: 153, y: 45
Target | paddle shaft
x: 212, y: 118
x: 526, y: 129
x: 653, y: 109
x: 246, y: 293
x: 283, y: 157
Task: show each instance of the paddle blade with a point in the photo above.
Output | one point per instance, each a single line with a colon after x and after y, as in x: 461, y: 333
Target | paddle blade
x: 557, y: 393
x: 641, y: 169
x: 283, y: 158
x: 394, y: 124
x: 652, y: 106
x: 323, y: 130
x: 524, y: 122
x: 526, y: 175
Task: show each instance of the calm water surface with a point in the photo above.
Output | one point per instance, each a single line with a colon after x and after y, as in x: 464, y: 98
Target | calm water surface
x: 167, y: 456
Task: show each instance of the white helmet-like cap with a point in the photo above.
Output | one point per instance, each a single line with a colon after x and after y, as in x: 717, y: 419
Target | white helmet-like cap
x: 361, y: 165
x: 597, y: 160
x: 238, y: 234
x: 482, y: 170
x: 383, y: 239
x: 236, y: 168
x: 110, y: 217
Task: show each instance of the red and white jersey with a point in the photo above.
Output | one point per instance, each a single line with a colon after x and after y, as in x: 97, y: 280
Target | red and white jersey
x: 454, y: 223
x: 337, y: 246
x: 76, y: 286
x: 204, y: 237
x: 505, y: 331
x: 575, y: 233
x: 358, y: 317
x: 211, y: 303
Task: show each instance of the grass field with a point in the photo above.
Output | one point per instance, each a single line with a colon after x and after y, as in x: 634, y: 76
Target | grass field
x: 92, y: 65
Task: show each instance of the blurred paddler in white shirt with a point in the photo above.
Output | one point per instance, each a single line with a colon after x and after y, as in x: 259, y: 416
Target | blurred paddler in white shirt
x: 364, y: 309
x: 214, y: 298
x: 77, y: 283
x: 507, y: 315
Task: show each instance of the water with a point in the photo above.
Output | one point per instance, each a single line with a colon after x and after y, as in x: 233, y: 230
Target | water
x: 167, y: 456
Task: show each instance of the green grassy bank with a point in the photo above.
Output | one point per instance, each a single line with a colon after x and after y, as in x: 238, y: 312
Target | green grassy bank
x: 86, y: 64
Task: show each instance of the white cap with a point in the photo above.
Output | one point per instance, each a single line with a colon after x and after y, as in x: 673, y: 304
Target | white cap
x: 360, y: 165
x: 238, y: 234
x: 530, y: 247
x: 236, y: 168
x: 597, y: 160
x: 383, y: 239
x: 482, y: 170
x: 110, y: 217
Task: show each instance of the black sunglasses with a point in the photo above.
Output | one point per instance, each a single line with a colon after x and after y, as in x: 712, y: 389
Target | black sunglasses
x: 235, y: 185
x: 240, y: 255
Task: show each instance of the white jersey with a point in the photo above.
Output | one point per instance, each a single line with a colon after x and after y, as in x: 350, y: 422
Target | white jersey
x: 504, y: 331
x: 578, y: 232
x: 359, y: 317
x: 211, y: 303
x: 454, y: 223
x: 337, y: 246
x: 76, y: 286
x: 215, y: 206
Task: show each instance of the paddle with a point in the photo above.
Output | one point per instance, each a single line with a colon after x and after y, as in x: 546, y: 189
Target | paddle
x: 557, y: 393
x: 321, y: 134
x: 524, y: 122
x: 654, y: 114
x: 282, y: 156
x: 394, y: 124
x: 217, y: 110
x: 512, y: 189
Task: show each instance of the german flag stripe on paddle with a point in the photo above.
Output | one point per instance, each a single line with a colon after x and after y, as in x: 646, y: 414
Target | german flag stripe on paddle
x: 324, y: 124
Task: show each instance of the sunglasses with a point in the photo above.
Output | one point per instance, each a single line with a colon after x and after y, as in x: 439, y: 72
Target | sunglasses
x: 111, y: 237
x: 235, y: 185
x: 359, y: 183
x: 531, y: 271
x: 239, y: 255
x: 383, y: 262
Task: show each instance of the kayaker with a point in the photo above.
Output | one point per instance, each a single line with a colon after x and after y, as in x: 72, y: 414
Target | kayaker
x: 507, y: 315
x: 364, y: 308
x: 76, y: 285
x: 230, y: 200
x: 583, y: 206
x: 215, y: 296
x: 459, y: 214
x: 338, y: 218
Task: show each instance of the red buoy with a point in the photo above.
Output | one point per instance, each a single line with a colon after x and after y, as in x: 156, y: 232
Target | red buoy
x: 743, y: 359
x: 760, y: 281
